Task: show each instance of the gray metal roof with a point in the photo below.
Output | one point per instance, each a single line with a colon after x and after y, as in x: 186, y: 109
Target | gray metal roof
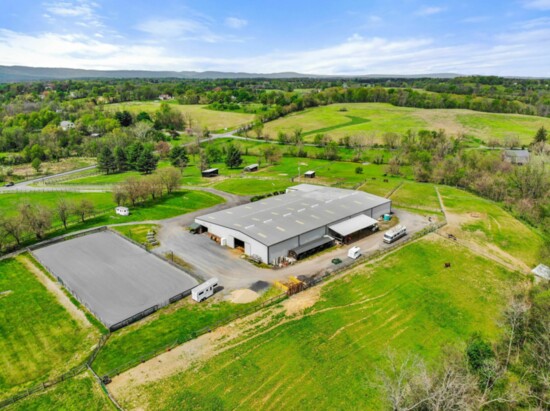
x: 542, y: 271
x: 353, y: 225
x: 517, y: 153
x: 304, y: 208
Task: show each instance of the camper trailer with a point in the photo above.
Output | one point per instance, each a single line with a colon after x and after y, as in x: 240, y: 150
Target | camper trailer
x: 202, y: 291
x: 354, y: 252
x: 395, y: 234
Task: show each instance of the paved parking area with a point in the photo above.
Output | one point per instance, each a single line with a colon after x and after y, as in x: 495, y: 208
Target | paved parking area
x: 209, y: 259
x: 114, y: 278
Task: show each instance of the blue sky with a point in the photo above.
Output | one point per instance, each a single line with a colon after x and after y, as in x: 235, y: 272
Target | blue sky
x: 506, y: 37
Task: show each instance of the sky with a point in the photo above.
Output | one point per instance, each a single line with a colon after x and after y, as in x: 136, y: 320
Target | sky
x: 348, y: 37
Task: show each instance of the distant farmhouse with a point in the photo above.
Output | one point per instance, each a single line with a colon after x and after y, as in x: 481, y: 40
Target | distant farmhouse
x: 519, y: 157
x: 66, y: 125
x: 165, y: 97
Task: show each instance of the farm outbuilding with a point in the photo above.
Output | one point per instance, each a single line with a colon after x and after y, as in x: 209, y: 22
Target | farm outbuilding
x: 309, y: 174
x: 121, y: 210
x: 251, y: 167
x: 211, y: 172
x: 519, y: 157
x: 298, y: 221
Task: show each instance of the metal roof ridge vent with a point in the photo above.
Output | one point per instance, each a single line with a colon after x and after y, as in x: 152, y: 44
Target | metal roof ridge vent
x: 314, y: 205
x: 301, y: 209
x: 328, y: 201
x: 268, y: 220
x: 287, y: 214
x: 249, y: 226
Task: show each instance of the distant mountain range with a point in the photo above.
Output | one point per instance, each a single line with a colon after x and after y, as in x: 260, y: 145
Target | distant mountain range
x: 10, y: 74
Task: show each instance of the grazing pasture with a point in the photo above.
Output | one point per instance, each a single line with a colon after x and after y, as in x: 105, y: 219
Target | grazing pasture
x: 340, y: 120
x: 327, y: 356
x: 212, y: 119
x: 40, y: 337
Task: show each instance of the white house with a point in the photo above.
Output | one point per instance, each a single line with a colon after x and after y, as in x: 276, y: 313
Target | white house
x: 120, y: 210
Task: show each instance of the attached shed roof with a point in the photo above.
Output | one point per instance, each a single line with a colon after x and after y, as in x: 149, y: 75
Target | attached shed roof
x: 304, y: 208
x: 353, y: 225
x: 517, y: 153
x: 210, y: 170
x: 312, y: 244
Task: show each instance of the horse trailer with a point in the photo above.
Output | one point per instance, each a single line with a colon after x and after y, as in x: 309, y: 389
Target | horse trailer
x: 202, y: 291
x: 395, y: 234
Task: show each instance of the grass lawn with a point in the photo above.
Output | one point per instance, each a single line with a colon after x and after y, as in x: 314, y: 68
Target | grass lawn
x: 251, y: 186
x: 380, y: 118
x: 175, y: 322
x: 39, y: 338
x: 79, y: 393
x: 170, y: 205
x: 328, y: 357
x: 421, y: 196
x: 136, y: 232
x: 486, y: 222
x: 214, y: 120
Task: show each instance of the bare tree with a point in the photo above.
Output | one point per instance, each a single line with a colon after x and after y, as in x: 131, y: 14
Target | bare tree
x: 154, y: 186
x: 15, y: 227
x: 36, y: 217
x: 84, y: 209
x: 132, y: 189
x: 119, y: 194
x: 63, y: 210
x: 170, y: 178
x: 391, y: 140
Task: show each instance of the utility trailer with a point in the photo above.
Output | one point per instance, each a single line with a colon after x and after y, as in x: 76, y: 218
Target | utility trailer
x: 395, y: 234
x: 202, y: 291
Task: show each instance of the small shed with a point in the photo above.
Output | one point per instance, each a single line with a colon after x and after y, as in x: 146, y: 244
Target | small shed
x: 211, y: 172
x: 309, y: 174
x: 542, y: 271
x: 120, y: 210
x: 519, y: 157
x: 66, y: 125
x: 252, y: 167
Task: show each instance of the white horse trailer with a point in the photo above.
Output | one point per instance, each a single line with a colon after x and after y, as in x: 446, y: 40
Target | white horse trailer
x: 202, y: 291
x: 395, y: 234
x: 354, y: 252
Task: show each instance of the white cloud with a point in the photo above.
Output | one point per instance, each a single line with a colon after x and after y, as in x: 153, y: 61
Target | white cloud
x: 429, y: 11
x: 183, y: 29
x: 537, y: 4
x: 82, y: 12
x: 235, y: 22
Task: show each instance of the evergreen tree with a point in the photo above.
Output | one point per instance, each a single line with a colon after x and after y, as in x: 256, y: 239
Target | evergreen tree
x: 133, y: 153
x: 541, y: 136
x: 124, y: 118
x: 121, y: 162
x: 106, y: 160
x: 178, y: 157
x: 233, y: 159
x: 147, y: 162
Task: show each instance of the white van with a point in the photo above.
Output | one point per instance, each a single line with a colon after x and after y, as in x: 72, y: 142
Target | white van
x: 354, y: 252
x: 395, y: 234
x: 202, y: 291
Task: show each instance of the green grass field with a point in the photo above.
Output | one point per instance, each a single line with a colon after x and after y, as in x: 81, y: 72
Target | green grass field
x: 214, y: 120
x: 178, y: 321
x: 136, y: 232
x: 171, y: 205
x: 486, y: 222
x: 251, y: 186
x: 416, y: 195
x: 379, y: 118
x: 79, y: 393
x: 328, y: 357
x: 39, y: 339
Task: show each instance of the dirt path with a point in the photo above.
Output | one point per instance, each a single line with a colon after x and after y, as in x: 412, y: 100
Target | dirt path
x: 56, y: 291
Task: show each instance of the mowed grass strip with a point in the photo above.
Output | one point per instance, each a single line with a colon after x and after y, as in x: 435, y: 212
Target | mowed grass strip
x: 487, y: 222
x: 79, y: 393
x: 39, y: 339
x: 328, y: 358
x: 251, y: 186
x: 421, y: 196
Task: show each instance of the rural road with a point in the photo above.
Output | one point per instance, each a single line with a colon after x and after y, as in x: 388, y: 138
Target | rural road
x: 27, y: 185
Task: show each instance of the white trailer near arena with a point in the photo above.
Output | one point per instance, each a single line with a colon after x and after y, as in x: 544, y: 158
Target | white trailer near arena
x: 202, y: 291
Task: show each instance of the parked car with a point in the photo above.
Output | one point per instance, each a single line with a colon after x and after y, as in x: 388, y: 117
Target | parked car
x: 10, y: 184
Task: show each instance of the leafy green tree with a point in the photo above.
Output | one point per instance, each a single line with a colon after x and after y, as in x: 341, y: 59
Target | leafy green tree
x: 214, y: 154
x: 147, y: 162
x: 106, y: 160
x: 143, y: 116
x: 36, y: 164
x: 233, y: 158
x: 478, y: 352
x: 178, y: 157
x: 124, y: 118
x: 121, y: 162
